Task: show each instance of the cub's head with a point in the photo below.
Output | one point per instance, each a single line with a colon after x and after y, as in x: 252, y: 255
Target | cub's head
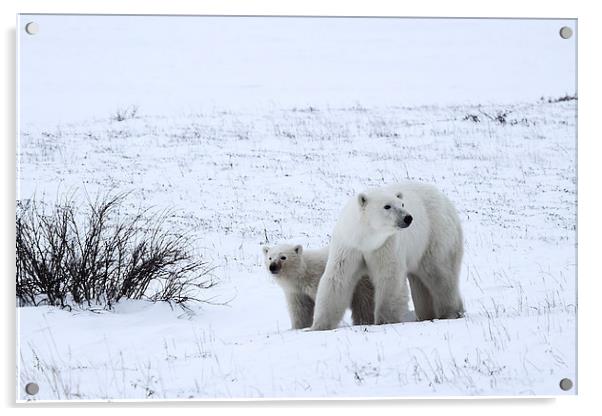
x: 384, y: 210
x: 282, y: 258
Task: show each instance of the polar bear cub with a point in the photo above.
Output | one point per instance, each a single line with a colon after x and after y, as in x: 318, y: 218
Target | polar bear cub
x: 408, y: 231
x: 298, y: 273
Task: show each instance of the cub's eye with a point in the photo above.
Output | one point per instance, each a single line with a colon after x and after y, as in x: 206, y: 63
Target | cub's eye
x: 387, y: 206
x: 283, y: 258
x: 402, y: 205
x: 269, y: 258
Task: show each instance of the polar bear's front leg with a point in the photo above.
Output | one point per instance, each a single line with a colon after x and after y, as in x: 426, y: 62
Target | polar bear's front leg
x: 300, y: 309
x: 389, y: 274
x: 362, y: 303
x: 336, y: 287
x: 422, y: 298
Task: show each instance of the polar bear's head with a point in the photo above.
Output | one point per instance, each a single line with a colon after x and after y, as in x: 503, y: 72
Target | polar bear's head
x: 282, y: 258
x: 384, y: 210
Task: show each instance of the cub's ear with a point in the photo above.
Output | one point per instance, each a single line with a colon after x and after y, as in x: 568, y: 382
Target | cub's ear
x: 299, y: 249
x: 362, y: 200
x: 265, y: 249
x: 399, y: 195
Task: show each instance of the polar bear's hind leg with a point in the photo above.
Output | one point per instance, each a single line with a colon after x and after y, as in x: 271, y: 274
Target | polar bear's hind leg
x: 441, y: 281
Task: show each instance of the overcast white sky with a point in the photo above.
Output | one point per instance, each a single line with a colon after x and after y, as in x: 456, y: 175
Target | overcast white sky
x: 80, y: 67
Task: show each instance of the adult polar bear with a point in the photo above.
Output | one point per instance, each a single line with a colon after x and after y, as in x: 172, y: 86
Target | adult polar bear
x: 408, y: 229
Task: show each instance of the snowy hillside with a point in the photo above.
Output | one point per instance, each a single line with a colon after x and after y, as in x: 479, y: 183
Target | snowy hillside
x: 238, y: 178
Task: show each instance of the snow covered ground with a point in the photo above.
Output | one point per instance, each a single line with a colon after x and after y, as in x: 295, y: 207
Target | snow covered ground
x: 237, y: 177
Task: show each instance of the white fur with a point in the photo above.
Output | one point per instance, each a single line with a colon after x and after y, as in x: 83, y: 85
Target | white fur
x: 368, y: 240
x: 301, y: 270
x: 298, y: 272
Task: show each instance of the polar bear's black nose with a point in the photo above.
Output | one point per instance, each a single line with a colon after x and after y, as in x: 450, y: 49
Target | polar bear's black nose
x: 274, y: 267
x: 408, y: 219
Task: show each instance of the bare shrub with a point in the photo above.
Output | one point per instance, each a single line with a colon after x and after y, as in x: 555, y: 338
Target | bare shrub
x: 500, y: 117
x: 127, y: 113
x: 472, y: 117
x: 565, y: 97
x: 96, y: 255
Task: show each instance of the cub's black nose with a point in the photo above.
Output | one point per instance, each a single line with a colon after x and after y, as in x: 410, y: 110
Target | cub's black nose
x: 274, y: 267
x: 408, y: 219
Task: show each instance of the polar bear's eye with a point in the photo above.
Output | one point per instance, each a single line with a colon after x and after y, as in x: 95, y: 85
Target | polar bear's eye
x: 269, y: 258
x: 283, y: 258
x: 387, y: 206
x: 402, y: 205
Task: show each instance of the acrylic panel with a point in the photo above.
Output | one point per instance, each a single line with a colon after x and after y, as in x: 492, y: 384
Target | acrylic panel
x: 214, y: 207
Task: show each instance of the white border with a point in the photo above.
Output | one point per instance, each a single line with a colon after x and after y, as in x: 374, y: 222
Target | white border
x: 590, y: 103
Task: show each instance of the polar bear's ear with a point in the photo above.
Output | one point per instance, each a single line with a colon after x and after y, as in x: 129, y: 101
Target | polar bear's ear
x: 299, y: 249
x: 265, y: 249
x: 399, y: 195
x: 362, y: 200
